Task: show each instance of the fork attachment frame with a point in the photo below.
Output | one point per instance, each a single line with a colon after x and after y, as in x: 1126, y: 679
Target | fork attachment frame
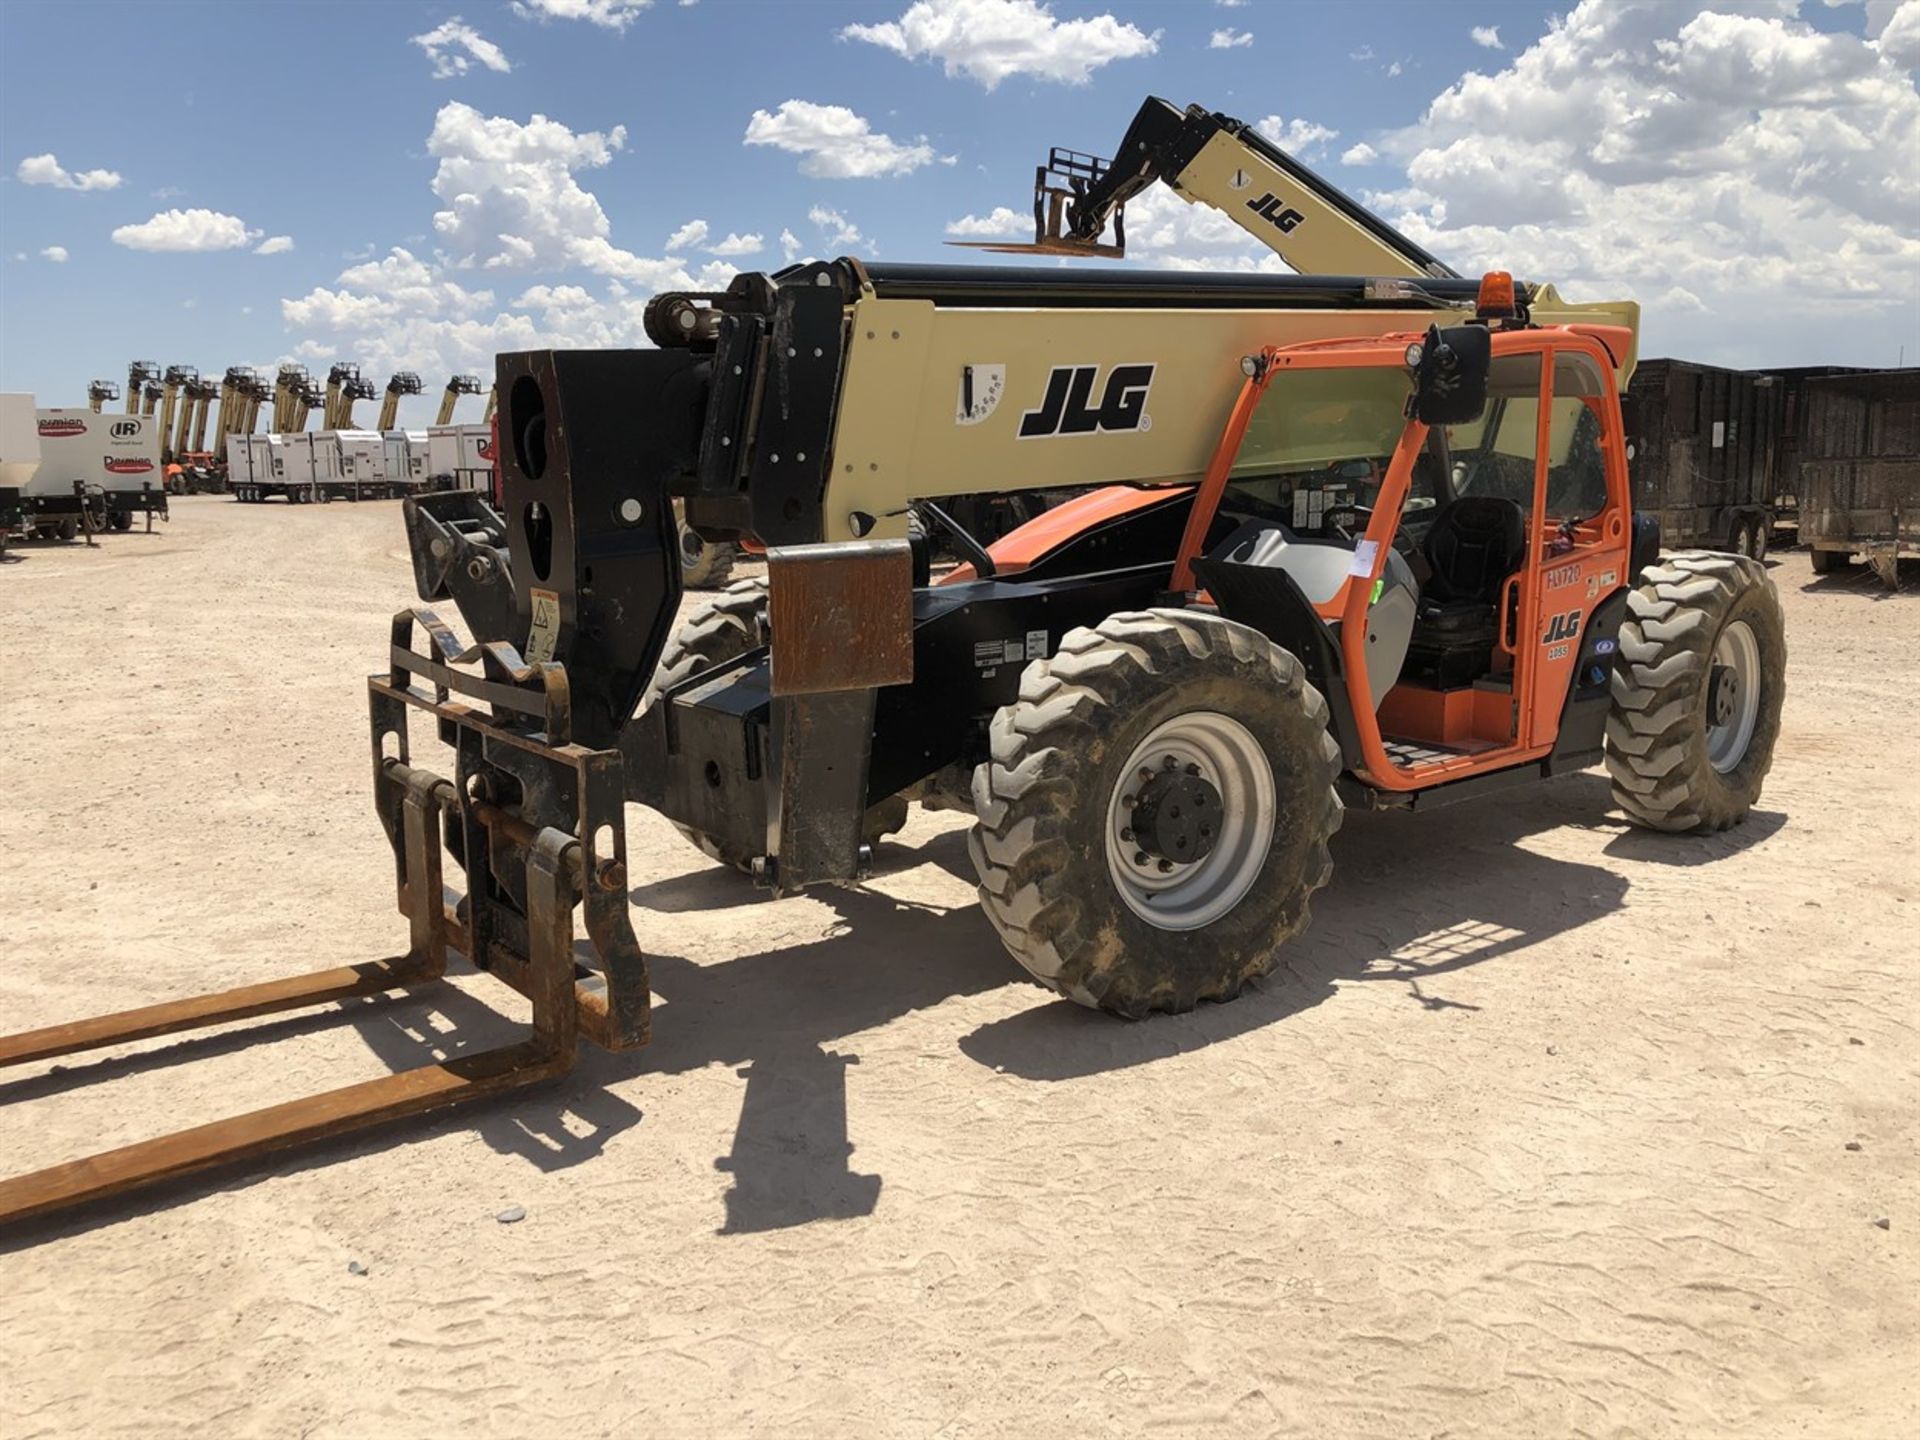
x: 537, y: 822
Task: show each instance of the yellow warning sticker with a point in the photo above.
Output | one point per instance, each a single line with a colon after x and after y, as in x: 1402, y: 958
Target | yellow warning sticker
x: 546, y: 626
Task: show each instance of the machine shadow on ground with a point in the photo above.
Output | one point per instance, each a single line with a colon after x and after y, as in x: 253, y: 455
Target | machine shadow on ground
x: 1414, y: 900
x: 1649, y: 847
x: 1861, y: 578
x: 18, y: 552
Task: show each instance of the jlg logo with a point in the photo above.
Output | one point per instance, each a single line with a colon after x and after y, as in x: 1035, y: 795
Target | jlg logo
x: 1271, y: 208
x: 1563, y: 627
x: 1067, y: 408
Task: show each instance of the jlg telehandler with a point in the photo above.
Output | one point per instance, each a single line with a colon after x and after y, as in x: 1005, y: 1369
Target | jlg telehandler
x: 1345, y: 541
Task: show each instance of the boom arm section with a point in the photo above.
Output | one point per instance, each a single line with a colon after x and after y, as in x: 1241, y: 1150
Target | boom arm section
x: 1212, y: 159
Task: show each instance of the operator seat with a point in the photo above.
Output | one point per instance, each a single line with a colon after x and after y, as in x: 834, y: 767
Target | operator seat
x: 1473, y: 545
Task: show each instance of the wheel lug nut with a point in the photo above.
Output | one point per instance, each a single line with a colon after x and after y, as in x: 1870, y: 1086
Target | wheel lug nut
x: 1166, y: 867
x: 1139, y: 857
x: 1128, y: 801
x: 1168, y: 763
x: 1193, y: 769
x: 1126, y: 834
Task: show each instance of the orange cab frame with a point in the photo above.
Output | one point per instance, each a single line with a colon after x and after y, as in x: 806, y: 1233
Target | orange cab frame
x: 1591, y: 563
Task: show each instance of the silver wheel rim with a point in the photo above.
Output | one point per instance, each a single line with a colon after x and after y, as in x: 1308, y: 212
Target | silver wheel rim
x: 1220, y: 750
x: 1736, y: 662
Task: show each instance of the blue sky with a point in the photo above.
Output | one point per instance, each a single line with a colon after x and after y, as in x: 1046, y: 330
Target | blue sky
x: 1746, y: 169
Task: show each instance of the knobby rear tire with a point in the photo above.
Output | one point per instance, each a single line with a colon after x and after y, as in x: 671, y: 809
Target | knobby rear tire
x: 704, y: 564
x: 1658, y: 747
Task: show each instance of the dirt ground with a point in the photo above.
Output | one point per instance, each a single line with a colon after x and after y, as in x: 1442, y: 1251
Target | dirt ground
x: 1547, y: 1128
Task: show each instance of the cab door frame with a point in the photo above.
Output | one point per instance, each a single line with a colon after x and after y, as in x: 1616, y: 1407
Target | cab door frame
x: 1348, y: 606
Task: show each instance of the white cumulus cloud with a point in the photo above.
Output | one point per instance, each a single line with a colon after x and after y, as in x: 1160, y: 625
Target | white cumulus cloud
x: 274, y: 245
x: 509, y: 189
x: 790, y: 246
x: 1487, y: 36
x: 1302, y: 138
x: 510, y: 199
x: 694, y: 232
x: 834, y: 143
x: 46, y: 170
x: 455, y: 47
x: 1692, y: 159
x: 1900, y: 40
x: 56, y: 253
x: 1360, y: 154
x: 1230, y: 39
x: 611, y: 14
x: 736, y: 245
x: 187, y: 230
x: 554, y: 298
x: 990, y: 40
x: 839, y: 231
x: 999, y: 223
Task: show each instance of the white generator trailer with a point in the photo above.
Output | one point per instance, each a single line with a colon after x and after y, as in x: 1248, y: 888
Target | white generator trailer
x: 248, y: 460
x: 303, y: 467
x: 19, y: 459
x: 460, y: 457
x: 366, y: 468
x: 110, y: 462
x: 406, y: 458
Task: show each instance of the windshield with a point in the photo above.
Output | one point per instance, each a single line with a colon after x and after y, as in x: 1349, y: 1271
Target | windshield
x: 1316, y: 450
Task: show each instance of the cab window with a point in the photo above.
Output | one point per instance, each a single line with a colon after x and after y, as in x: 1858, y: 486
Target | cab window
x: 1577, y: 467
x: 1316, y: 451
x: 1495, y: 454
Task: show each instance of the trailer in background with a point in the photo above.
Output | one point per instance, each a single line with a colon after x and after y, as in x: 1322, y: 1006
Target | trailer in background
x: 289, y: 472
x: 248, y: 460
x: 1860, y: 469
x: 1699, y: 446
x: 302, y: 467
x: 112, y: 462
x: 363, y: 465
x: 1784, y: 473
x: 1714, y: 453
x: 19, y: 459
x: 460, y: 457
x: 406, y: 457
x: 329, y: 477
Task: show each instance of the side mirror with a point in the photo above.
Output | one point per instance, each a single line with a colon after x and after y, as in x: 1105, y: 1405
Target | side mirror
x: 1450, y: 382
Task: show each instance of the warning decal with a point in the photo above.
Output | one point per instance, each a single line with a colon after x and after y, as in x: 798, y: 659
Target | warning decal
x: 546, y: 627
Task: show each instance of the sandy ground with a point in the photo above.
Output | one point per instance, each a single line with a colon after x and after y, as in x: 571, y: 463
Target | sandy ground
x: 1544, y: 1131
